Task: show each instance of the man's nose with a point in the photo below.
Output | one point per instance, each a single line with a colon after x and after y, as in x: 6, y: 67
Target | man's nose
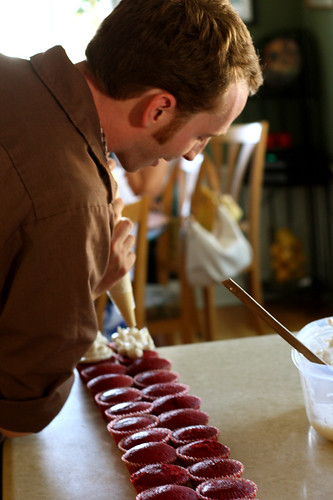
x: 195, y: 151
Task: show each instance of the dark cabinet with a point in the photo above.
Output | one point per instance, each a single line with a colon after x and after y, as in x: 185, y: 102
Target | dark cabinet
x: 290, y: 100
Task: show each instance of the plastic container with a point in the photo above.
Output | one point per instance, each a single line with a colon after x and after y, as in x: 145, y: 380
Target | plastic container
x: 317, y: 379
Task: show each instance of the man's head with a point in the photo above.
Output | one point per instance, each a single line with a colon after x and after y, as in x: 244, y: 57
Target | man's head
x: 193, y: 49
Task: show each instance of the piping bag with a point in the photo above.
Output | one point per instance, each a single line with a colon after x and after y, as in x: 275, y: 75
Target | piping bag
x: 122, y: 296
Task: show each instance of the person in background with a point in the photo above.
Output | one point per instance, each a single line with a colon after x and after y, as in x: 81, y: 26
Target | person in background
x: 161, y: 77
x: 149, y: 180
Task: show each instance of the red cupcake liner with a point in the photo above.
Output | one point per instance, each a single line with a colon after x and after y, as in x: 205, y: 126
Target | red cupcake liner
x: 201, y: 450
x: 127, y: 409
x: 108, y: 366
x: 148, y: 453
x: 156, y: 434
x: 175, y: 402
x: 125, y: 426
x: 226, y: 489
x: 154, y: 475
x: 183, y: 417
x: 215, y: 468
x: 168, y: 492
x: 186, y: 435
x: 155, y: 391
x: 150, y: 377
x: 109, y: 381
x: 106, y: 399
x: 148, y: 363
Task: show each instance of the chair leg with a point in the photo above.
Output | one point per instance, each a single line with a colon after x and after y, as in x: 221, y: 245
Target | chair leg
x: 209, y: 312
x: 189, y: 312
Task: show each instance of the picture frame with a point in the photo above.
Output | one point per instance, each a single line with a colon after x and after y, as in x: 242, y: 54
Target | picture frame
x: 245, y: 9
x: 319, y: 4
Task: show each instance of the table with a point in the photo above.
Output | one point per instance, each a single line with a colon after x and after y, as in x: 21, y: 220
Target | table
x: 250, y: 389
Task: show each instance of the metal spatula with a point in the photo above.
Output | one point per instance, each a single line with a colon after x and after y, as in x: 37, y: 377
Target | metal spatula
x: 255, y: 307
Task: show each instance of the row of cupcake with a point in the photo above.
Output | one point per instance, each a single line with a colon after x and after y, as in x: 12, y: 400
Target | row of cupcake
x: 166, y: 442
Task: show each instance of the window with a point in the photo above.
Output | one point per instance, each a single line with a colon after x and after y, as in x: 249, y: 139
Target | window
x: 31, y: 26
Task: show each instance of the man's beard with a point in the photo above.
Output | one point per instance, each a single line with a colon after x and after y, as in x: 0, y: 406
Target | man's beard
x: 167, y: 132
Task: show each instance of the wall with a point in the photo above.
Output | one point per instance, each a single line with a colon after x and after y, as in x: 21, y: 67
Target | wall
x: 274, y: 15
x: 320, y: 22
x: 291, y: 206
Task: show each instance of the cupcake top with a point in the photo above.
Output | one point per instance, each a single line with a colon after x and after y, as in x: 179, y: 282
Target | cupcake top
x: 158, y: 390
x: 192, y: 433
x: 101, y: 368
x: 183, y: 417
x: 156, y: 434
x: 132, y: 423
x: 109, y: 381
x: 225, y: 489
x: 168, y: 492
x: 133, y: 341
x: 174, y: 402
x: 215, y: 468
x: 150, y: 453
x: 146, y: 363
x: 99, y: 350
x: 118, y: 395
x: 130, y: 407
x: 157, y: 475
x: 150, y: 377
x: 200, y: 450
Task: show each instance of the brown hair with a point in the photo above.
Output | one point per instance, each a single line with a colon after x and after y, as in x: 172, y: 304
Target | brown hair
x: 193, y: 49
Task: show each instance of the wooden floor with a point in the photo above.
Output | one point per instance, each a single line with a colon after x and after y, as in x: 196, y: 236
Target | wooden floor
x: 294, y: 312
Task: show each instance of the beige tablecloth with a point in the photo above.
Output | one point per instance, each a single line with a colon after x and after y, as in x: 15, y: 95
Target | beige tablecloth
x: 251, y: 391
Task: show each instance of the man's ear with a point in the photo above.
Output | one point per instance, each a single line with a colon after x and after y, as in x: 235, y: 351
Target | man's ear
x: 159, y: 109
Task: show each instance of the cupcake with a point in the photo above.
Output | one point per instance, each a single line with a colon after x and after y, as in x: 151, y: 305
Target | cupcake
x: 154, y: 475
x: 105, y: 399
x: 158, y: 390
x: 148, y: 453
x: 201, y: 450
x: 83, y: 366
x: 174, y: 402
x: 215, y: 468
x: 125, y: 426
x: 192, y: 433
x: 146, y: 363
x: 224, y: 489
x: 183, y: 417
x: 168, y: 492
x: 126, y: 360
x: 109, y: 381
x: 150, y: 377
x: 127, y: 409
x: 101, y: 368
x: 154, y: 435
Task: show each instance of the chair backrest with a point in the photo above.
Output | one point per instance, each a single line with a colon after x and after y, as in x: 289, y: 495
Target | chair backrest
x: 229, y: 158
x: 137, y: 212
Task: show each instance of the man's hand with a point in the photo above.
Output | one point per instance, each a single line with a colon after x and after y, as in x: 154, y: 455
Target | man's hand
x: 122, y: 256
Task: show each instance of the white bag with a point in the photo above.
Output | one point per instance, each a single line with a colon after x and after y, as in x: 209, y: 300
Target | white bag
x: 214, y: 256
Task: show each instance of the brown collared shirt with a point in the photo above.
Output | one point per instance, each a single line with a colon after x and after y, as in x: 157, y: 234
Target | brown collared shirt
x: 56, y: 220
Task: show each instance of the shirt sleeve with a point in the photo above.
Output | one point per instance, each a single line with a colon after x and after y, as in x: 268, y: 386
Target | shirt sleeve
x: 47, y: 315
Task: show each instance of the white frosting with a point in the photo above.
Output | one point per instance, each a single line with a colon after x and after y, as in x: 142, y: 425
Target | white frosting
x: 132, y: 341
x: 98, y: 351
x: 326, y: 354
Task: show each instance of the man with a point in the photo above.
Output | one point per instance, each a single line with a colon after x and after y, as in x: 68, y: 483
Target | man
x: 161, y: 78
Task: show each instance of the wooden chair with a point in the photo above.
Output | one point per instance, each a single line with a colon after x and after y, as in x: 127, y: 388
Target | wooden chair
x: 179, y: 316
x: 234, y: 164
x: 137, y: 212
